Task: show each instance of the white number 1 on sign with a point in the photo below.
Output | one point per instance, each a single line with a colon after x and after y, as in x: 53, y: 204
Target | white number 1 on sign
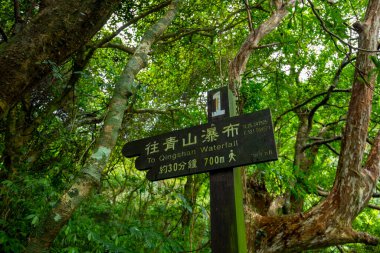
x: 217, y: 105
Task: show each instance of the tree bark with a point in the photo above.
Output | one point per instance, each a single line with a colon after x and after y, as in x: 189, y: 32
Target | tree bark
x: 238, y: 65
x: 330, y: 222
x: 90, y: 175
x: 21, y: 114
x: 351, y: 178
x: 54, y: 34
x: 256, y: 195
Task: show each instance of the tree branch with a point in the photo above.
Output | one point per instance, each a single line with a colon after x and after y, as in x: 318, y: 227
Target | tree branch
x: 94, y: 119
x: 16, y: 12
x: 366, y: 239
x: 340, y: 248
x: 351, y: 179
x: 333, y: 35
x: 322, y: 142
x: 22, y: 63
x: 332, y: 149
x: 152, y: 111
x: 130, y: 22
x: 238, y: 65
x: 128, y: 50
x: 308, y: 101
x: 373, y: 207
x: 187, y: 31
x: 322, y: 192
x: 208, y: 31
x: 315, y: 229
x: 249, y: 17
x: 90, y: 174
x: 344, y: 63
x: 205, y: 31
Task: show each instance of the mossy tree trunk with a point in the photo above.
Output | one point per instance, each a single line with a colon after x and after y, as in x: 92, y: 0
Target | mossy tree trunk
x: 89, y: 177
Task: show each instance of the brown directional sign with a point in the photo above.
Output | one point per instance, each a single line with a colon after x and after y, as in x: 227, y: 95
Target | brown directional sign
x: 231, y: 142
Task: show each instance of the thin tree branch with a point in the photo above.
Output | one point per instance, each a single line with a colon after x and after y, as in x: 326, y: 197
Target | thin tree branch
x: 328, y: 125
x: 207, y: 244
x: 340, y: 248
x: 16, y: 12
x: 152, y: 111
x: 239, y: 63
x: 269, y: 45
x: 95, y: 119
x: 308, y: 101
x: 332, y: 149
x: 344, y: 63
x: 206, y: 31
x: 80, y: 62
x: 333, y: 34
x: 372, y: 206
x: 257, y: 6
x: 366, y: 238
x: 187, y: 31
x: 128, y: 50
x: 130, y: 22
x: 322, y: 192
x: 322, y: 142
x: 249, y: 17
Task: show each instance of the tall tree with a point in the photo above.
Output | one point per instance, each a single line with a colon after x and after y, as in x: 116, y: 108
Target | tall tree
x: 58, y: 30
x: 90, y: 175
x: 330, y: 222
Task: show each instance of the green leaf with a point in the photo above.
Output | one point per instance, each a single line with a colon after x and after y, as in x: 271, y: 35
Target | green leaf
x: 7, y: 183
x: 30, y: 216
x: 185, y: 203
x: 90, y: 236
x: 35, y: 220
x: 375, y: 60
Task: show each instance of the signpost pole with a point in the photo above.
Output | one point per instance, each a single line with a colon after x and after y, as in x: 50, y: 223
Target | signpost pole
x: 226, y: 194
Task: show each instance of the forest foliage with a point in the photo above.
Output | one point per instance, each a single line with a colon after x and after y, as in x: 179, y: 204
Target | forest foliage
x: 48, y: 135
